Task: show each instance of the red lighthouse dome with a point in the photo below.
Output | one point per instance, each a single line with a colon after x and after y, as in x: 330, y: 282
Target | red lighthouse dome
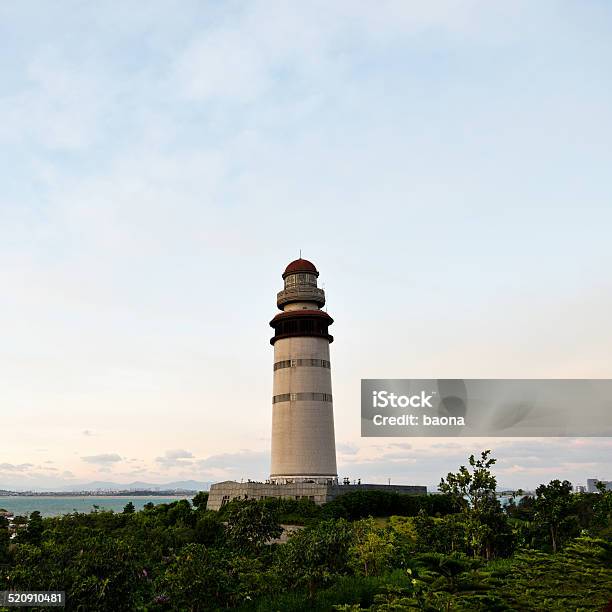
x: 300, y: 265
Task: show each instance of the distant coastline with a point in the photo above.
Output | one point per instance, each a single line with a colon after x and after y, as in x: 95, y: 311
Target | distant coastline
x: 105, y: 488
x: 23, y: 504
x: 100, y: 493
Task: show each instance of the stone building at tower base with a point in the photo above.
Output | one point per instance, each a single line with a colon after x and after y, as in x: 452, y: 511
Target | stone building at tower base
x: 222, y: 492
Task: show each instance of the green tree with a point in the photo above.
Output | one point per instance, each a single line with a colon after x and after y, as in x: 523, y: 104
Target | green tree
x: 553, y: 505
x: 4, y: 540
x: 209, y: 529
x: 372, y: 548
x: 250, y: 525
x: 452, y: 568
x: 473, y: 490
x: 33, y: 532
x: 180, y: 513
x: 129, y: 508
x: 442, y: 535
x: 602, y: 510
x: 196, y: 579
x: 315, y: 555
x: 523, y: 509
x: 98, y: 572
x: 200, y: 500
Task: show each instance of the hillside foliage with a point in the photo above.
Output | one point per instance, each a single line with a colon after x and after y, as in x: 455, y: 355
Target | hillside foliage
x: 375, y: 551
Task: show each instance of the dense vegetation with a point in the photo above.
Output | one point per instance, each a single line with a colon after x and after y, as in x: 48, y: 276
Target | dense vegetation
x: 364, y: 551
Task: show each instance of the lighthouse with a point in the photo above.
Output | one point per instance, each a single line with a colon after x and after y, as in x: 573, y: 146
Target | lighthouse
x: 303, y: 442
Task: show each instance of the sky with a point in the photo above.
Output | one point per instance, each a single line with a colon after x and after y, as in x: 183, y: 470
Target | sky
x: 445, y: 165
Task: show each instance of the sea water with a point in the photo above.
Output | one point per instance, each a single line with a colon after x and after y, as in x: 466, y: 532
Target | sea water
x: 54, y: 505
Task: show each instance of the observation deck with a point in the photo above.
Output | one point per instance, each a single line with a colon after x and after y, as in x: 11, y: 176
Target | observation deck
x: 300, y: 293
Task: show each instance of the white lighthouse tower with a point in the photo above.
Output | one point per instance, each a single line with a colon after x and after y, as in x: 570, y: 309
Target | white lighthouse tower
x: 303, y: 443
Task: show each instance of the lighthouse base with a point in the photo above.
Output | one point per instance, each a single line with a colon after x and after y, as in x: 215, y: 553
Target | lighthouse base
x: 330, y: 479
x: 222, y: 493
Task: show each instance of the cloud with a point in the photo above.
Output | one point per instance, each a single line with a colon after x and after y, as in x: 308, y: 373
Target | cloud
x: 235, y: 466
x: 58, y: 105
x: 103, y: 458
x: 223, y: 64
x: 175, y: 458
x: 521, y: 463
x: 11, y: 467
x: 252, y: 53
x: 178, y: 454
x: 346, y: 449
x: 88, y: 432
x: 47, y: 468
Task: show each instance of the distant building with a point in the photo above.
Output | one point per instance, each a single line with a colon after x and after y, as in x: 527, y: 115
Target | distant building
x: 592, y: 484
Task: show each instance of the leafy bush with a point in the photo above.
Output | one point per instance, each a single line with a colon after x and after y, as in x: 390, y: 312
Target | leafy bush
x: 433, y: 553
x: 361, y: 504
